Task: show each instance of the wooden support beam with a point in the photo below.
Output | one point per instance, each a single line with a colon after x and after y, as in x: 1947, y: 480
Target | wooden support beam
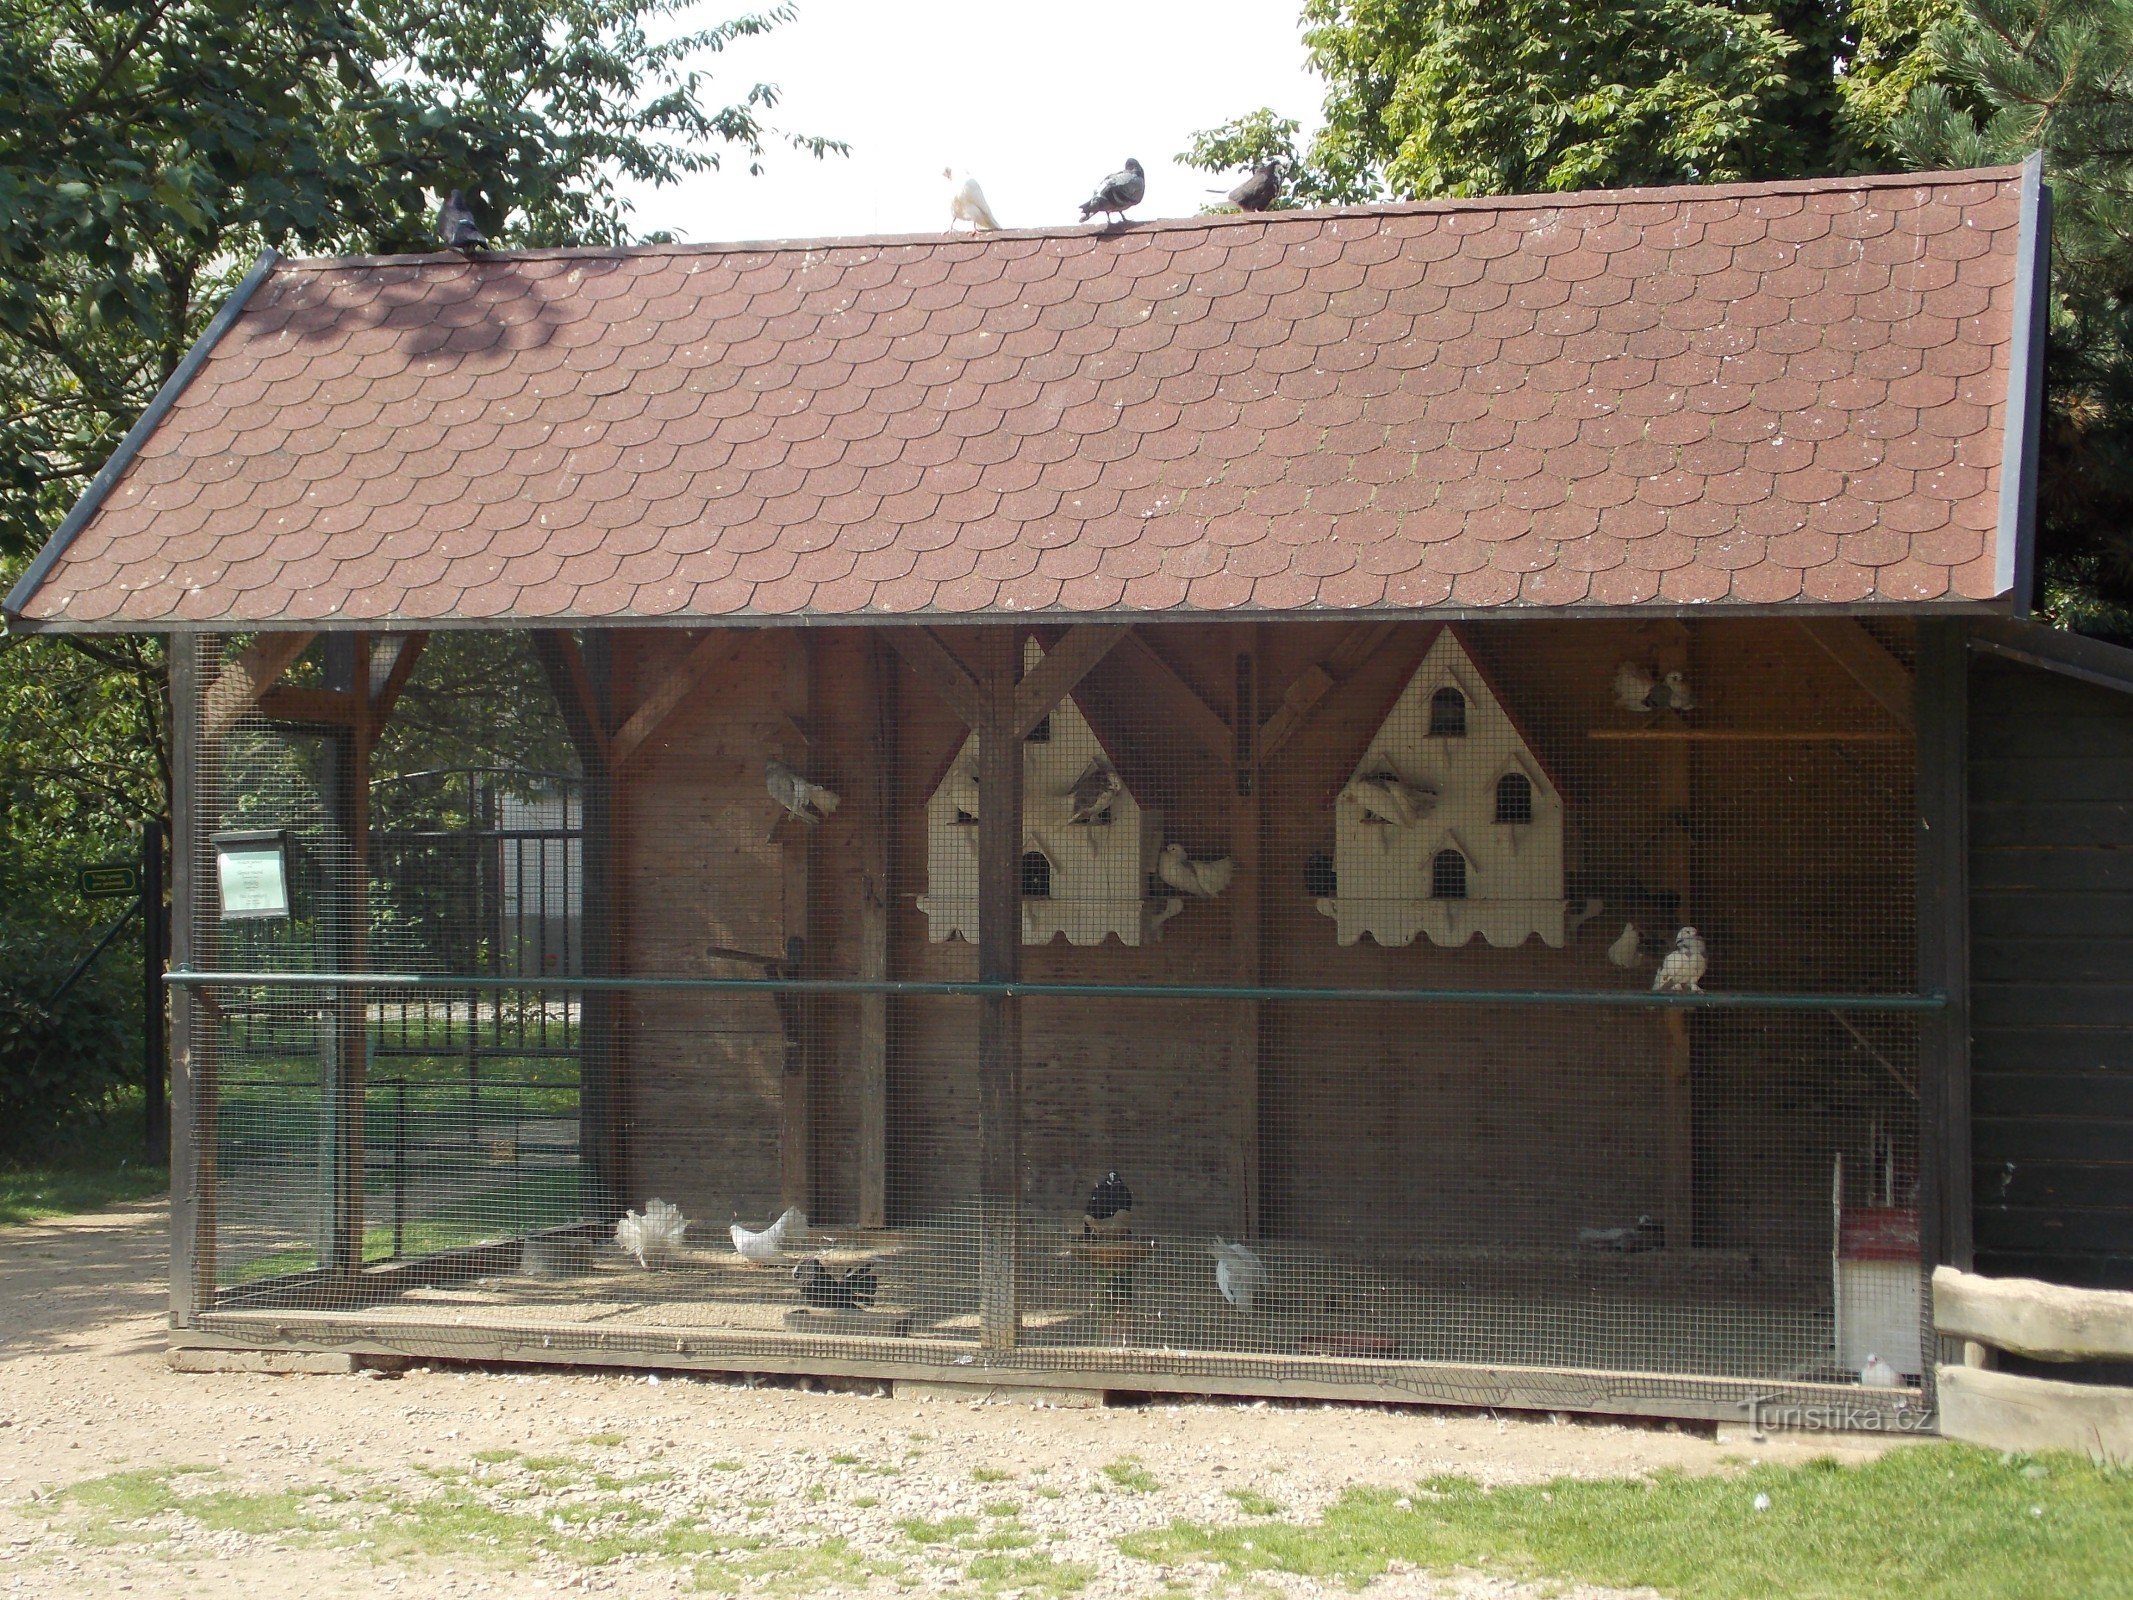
x: 2045, y: 1321
x: 239, y: 685
x: 302, y: 703
x: 999, y: 1016
x: 1063, y: 666
x: 1676, y: 773
x: 1247, y: 909
x: 389, y: 671
x: 943, y: 671
x: 796, y: 848
x: 1845, y: 641
x: 1942, y: 867
x: 194, y: 1094
x: 344, y: 1045
x: 871, y: 1068
x: 583, y: 715
x: 1747, y: 735
x: 714, y: 650
x: 1313, y: 684
x: 1195, y: 717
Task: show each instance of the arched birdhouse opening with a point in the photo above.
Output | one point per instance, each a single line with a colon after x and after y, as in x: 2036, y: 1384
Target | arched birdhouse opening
x: 1447, y: 714
x: 1036, y: 875
x: 1514, y: 798
x: 1447, y: 876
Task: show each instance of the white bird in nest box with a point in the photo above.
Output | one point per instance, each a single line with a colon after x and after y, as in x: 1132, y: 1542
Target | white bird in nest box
x: 1389, y: 798
x: 1090, y: 797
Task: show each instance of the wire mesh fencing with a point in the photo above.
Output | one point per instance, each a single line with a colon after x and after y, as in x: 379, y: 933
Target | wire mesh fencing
x: 1395, y: 1004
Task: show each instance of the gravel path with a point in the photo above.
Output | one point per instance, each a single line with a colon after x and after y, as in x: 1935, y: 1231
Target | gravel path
x: 120, y: 1476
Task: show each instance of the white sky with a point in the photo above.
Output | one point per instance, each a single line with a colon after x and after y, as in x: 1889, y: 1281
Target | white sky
x: 1039, y: 101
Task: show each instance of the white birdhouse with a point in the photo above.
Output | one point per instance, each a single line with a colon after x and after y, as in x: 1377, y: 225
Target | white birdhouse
x: 1449, y: 825
x: 1088, y: 846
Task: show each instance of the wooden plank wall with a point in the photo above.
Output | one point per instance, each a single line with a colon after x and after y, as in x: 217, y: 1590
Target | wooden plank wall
x: 1380, y: 1126
x: 2051, y: 929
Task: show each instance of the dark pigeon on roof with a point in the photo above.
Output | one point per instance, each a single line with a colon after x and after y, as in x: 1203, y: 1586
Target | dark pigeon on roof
x: 456, y: 225
x: 1119, y: 193
x: 1259, y: 191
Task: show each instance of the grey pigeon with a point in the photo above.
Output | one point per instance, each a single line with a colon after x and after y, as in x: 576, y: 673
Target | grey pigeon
x: 1091, y: 793
x: 1259, y: 191
x: 456, y: 225
x: 1119, y: 193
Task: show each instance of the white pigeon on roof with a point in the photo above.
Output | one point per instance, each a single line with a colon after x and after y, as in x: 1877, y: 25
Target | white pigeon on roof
x: 766, y: 1245
x: 1682, y: 970
x: 1239, y: 1274
x: 966, y: 202
x: 653, y: 1236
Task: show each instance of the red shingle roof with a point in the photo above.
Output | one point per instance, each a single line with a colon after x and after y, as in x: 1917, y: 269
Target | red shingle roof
x: 1753, y: 395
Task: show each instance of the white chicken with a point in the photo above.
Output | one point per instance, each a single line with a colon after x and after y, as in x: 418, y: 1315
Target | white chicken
x: 1239, y: 1274
x: 1683, y: 969
x: 653, y: 1236
x: 1205, y: 879
x: 767, y: 1245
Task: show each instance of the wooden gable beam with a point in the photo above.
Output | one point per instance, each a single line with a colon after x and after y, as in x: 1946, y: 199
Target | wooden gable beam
x: 1063, y: 666
x: 305, y: 703
x: 238, y: 687
x: 942, y: 669
x: 1206, y: 726
x: 715, y: 649
x: 1868, y: 662
x: 564, y: 663
x: 1317, y: 681
x: 389, y: 671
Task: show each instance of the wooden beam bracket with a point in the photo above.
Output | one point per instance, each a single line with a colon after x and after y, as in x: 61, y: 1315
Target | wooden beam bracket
x: 1867, y: 662
x: 941, y: 669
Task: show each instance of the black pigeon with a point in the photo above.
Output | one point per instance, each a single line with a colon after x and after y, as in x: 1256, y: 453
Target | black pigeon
x: 821, y: 1287
x: 1119, y: 193
x: 1259, y: 191
x: 456, y: 225
x: 1110, y: 1207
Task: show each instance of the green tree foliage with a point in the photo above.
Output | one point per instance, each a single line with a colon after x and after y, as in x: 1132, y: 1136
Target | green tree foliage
x: 2057, y: 76
x: 149, y: 149
x: 1428, y: 98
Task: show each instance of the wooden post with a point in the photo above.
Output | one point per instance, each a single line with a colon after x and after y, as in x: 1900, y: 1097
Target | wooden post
x: 155, y: 938
x: 1943, y: 891
x: 871, y: 1085
x: 192, y: 1041
x: 796, y: 1099
x: 1676, y: 798
x: 999, y: 1016
x: 581, y: 680
x: 344, y: 1046
x: 1247, y: 899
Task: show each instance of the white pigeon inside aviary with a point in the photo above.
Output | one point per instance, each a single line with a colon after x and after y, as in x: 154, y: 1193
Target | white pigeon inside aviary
x: 767, y: 1245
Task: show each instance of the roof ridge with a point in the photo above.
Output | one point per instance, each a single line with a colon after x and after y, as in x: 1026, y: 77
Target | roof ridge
x: 1575, y: 199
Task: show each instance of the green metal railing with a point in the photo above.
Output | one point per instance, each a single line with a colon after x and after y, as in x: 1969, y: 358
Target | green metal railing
x: 980, y: 989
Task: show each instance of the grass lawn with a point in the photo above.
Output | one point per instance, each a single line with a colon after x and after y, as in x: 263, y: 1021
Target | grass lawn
x: 1932, y: 1522
x: 102, y: 1164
